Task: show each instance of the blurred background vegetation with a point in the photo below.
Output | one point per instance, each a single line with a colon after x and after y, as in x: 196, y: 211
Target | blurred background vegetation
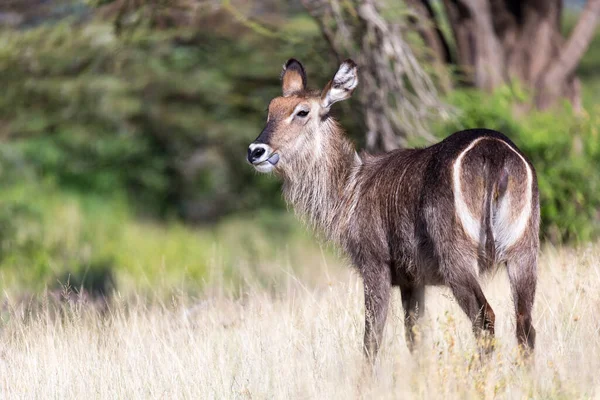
x: 124, y: 126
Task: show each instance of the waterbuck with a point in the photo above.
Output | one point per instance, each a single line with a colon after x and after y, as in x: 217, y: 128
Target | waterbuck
x: 441, y: 215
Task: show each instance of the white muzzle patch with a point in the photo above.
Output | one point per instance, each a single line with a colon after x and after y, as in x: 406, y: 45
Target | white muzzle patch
x: 262, y: 157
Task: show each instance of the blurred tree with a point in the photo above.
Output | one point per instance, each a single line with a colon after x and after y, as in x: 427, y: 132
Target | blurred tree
x: 397, y: 95
x: 501, y: 40
x: 30, y: 13
x: 152, y: 99
x: 495, y: 42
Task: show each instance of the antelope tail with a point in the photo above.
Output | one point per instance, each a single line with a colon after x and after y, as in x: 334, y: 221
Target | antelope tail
x: 495, y: 190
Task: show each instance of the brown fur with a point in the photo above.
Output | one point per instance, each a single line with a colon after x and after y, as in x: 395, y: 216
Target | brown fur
x: 397, y: 215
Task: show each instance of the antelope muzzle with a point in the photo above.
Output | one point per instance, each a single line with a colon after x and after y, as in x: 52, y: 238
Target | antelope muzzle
x: 262, y: 157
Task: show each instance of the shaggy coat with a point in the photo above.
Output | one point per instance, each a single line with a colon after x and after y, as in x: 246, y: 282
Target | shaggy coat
x: 441, y: 215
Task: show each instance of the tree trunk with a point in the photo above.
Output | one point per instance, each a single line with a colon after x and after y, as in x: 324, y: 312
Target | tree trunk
x: 397, y: 96
x: 499, y: 41
x: 428, y: 27
x: 479, y: 52
x: 425, y: 22
x: 562, y: 70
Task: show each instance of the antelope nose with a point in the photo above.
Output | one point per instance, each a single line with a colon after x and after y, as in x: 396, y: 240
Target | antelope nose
x: 256, y: 153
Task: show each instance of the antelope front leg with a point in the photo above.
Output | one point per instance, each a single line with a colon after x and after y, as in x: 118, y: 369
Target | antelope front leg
x: 377, y: 286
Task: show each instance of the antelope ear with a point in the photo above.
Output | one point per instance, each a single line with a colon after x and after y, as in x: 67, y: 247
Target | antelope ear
x: 293, y: 77
x: 341, y: 86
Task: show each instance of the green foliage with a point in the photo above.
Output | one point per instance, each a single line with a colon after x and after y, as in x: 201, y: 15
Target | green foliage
x: 51, y: 239
x: 163, y: 115
x: 101, y: 129
x: 564, y: 148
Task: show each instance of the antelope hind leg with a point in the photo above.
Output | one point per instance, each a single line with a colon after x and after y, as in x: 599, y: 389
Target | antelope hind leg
x: 413, y: 303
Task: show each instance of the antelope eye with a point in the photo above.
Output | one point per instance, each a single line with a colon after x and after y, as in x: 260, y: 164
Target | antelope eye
x: 302, y: 113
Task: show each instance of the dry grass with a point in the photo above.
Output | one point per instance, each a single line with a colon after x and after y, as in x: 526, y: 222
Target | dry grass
x: 306, y: 343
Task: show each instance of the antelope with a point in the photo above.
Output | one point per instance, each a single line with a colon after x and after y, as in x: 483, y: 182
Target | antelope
x: 440, y: 215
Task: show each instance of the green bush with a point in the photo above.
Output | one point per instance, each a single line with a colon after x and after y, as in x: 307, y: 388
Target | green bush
x: 50, y: 239
x: 564, y: 148
x: 103, y: 129
x: 162, y: 115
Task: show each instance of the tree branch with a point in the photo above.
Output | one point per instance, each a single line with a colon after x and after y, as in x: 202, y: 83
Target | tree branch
x: 397, y: 96
x: 429, y: 29
x: 577, y: 44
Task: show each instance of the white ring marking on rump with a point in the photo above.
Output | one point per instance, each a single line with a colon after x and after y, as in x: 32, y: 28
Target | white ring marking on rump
x: 469, y: 223
x: 506, y: 232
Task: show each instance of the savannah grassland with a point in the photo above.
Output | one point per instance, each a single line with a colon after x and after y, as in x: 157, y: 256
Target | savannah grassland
x: 300, y: 340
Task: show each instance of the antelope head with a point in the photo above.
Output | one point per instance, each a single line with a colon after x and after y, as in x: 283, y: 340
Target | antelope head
x: 298, y: 121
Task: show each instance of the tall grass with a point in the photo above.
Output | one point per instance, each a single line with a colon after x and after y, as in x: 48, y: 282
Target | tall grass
x: 304, y: 341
